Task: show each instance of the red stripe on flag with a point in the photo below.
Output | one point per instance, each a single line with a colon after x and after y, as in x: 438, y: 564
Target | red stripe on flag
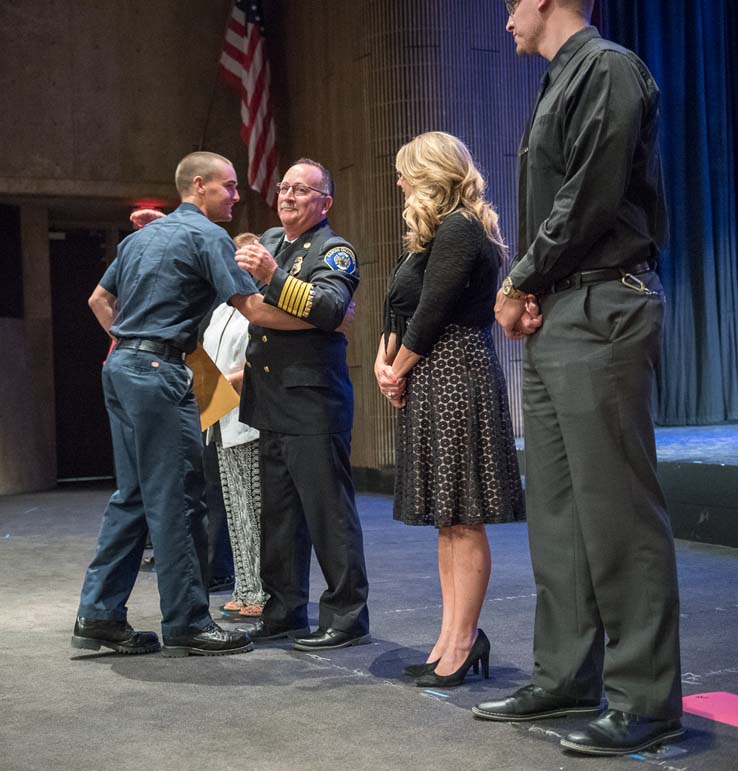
x: 244, y: 67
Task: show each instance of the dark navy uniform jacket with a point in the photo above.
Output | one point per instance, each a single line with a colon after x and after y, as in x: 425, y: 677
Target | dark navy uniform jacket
x: 168, y: 275
x: 297, y: 382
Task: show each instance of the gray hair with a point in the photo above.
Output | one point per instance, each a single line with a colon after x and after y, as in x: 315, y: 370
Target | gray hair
x: 326, y: 178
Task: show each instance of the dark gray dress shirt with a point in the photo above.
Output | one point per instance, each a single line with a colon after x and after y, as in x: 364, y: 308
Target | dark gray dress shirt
x: 590, y: 172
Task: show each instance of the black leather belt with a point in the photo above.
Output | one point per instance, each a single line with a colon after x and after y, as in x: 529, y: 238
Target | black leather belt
x: 577, y: 280
x: 166, y: 351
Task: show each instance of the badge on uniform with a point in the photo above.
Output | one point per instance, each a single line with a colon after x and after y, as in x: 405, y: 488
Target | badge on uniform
x: 341, y: 258
x: 297, y: 265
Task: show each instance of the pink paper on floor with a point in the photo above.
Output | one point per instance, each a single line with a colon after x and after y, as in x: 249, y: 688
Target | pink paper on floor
x: 719, y: 706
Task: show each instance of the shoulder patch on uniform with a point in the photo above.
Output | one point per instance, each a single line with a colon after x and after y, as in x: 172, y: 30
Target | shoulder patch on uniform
x: 341, y: 258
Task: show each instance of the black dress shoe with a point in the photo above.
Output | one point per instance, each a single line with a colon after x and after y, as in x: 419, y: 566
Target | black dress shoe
x: 620, y: 733
x: 92, y: 634
x: 327, y: 639
x: 531, y: 703
x: 211, y: 641
x: 261, y: 631
x: 417, y: 670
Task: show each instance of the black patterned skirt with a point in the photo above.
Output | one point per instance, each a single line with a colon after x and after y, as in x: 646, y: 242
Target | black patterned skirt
x: 455, y: 453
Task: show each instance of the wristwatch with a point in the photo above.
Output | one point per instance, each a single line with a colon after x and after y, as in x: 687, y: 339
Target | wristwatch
x: 510, y: 291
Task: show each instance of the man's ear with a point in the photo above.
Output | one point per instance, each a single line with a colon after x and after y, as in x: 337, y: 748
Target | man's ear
x: 198, y: 184
x: 327, y: 203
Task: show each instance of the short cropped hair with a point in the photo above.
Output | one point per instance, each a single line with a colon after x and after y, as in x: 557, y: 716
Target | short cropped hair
x: 199, y: 164
x: 327, y: 179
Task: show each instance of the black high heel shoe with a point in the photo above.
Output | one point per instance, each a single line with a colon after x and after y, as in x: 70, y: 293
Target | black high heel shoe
x: 416, y: 670
x: 479, y: 654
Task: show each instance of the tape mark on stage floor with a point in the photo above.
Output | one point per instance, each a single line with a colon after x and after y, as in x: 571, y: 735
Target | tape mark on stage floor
x: 438, y: 605
x: 694, y: 678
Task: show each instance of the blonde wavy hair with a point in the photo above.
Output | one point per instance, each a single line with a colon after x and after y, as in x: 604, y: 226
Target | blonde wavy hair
x: 441, y: 171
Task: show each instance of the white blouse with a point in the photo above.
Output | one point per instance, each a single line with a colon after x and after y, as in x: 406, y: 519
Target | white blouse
x: 225, y: 341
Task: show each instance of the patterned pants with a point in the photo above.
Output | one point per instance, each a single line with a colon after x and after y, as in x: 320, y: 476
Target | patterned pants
x: 239, y: 476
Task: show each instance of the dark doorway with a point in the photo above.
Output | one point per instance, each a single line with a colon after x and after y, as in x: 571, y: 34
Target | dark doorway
x: 11, y: 263
x: 83, y: 445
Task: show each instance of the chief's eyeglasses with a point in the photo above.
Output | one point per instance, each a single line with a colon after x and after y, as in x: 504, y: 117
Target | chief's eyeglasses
x: 512, y: 6
x: 300, y: 191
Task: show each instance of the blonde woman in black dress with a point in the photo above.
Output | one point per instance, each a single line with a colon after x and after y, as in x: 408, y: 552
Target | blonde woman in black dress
x: 457, y: 468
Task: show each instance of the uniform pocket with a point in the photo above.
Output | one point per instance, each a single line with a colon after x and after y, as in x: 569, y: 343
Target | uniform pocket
x: 305, y: 376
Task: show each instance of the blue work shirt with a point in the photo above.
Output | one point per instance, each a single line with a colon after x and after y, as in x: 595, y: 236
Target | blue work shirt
x: 168, y: 275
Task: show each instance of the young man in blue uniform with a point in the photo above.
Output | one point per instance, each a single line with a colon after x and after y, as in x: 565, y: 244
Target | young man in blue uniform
x: 151, y: 299
x: 297, y: 392
x: 592, y: 217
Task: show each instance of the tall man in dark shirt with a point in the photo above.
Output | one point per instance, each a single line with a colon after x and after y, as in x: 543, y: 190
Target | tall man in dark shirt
x: 152, y: 298
x: 591, y: 219
x: 297, y: 392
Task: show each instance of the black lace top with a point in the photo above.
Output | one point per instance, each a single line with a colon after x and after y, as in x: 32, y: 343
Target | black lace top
x: 454, y: 281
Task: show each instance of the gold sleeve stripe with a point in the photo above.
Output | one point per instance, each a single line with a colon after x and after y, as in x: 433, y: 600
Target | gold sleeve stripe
x: 295, y: 296
x: 293, y: 303
x: 291, y: 290
x: 293, y: 306
x: 285, y: 297
x: 301, y: 309
x: 306, y: 291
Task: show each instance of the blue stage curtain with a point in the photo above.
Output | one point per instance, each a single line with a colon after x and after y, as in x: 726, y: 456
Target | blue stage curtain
x: 691, y: 46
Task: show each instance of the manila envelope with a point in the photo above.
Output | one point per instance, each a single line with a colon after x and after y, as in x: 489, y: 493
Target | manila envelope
x: 214, y: 395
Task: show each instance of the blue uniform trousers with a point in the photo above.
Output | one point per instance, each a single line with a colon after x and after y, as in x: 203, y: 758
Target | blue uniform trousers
x: 158, y: 462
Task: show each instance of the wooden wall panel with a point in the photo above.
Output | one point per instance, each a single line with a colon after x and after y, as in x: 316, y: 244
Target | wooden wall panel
x: 103, y: 98
x: 360, y: 79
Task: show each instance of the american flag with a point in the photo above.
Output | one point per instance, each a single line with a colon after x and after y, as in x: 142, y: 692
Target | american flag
x: 245, y: 67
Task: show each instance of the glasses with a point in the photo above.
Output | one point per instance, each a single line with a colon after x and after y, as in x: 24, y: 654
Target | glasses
x: 300, y: 191
x: 512, y: 6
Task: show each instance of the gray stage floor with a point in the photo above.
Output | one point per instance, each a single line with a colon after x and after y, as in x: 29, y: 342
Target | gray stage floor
x: 277, y: 709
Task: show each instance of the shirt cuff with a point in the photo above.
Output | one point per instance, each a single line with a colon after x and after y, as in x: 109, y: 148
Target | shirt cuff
x: 523, y: 278
x: 247, y: 286
x: 411, y: 342
x: 108, y: 286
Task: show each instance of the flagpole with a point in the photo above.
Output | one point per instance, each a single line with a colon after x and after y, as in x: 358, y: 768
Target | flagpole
x: 201, y: 144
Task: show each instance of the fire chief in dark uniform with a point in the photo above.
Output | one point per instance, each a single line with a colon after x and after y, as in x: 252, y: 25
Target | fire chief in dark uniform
x: 297, y: 392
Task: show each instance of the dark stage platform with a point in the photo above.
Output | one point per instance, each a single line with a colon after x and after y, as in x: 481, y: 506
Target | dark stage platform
x: 276, y: 709
x: 698, y: 469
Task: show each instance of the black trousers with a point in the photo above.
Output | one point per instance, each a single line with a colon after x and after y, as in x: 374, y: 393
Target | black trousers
x: 308, y: 501
x: 600, y: 537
